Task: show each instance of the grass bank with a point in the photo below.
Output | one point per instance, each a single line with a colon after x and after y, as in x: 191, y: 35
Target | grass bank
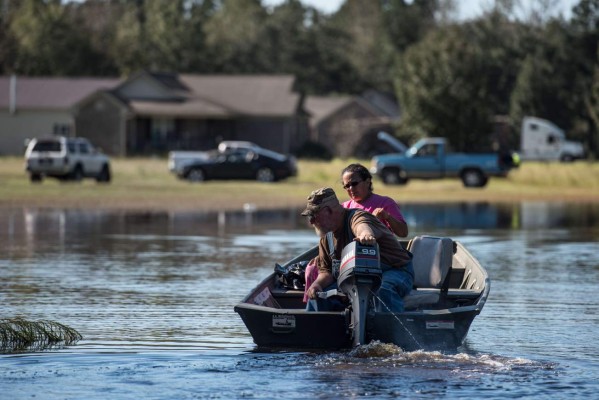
x: 145, y: 183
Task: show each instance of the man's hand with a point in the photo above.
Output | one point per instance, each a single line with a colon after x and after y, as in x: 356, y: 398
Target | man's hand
x: 313, y: 290
x: 366, y: 238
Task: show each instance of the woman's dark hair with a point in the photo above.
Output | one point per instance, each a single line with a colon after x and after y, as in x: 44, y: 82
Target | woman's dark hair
x: 360, y: 170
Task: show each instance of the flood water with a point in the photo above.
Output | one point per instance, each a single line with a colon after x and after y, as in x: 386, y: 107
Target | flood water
x: 153, y: 296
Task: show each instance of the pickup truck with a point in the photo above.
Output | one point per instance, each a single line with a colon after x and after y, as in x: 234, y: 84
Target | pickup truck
x: 431, y: 158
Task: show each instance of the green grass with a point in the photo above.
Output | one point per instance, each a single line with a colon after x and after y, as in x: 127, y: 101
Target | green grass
x: 146, y: 183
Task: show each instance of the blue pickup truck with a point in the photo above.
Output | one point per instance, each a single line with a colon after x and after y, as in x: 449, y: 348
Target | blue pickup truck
x: 431, y: 158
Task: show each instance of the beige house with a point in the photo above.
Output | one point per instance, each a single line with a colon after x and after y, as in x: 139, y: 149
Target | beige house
x: 153, y: 113
x: 33, y: 107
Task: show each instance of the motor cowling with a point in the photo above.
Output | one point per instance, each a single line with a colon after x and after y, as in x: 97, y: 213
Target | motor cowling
x: 360, y: 276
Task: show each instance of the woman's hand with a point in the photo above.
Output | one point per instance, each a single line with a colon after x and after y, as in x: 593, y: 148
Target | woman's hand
x: 381, y: 214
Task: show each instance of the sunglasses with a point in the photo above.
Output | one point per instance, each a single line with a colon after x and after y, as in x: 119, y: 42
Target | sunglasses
x: 351, y: 184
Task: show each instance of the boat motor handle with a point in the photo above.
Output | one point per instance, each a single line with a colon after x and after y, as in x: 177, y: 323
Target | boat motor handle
x: 329, y: 293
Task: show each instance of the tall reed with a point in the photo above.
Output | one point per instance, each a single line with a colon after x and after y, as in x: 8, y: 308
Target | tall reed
x: 18, y: 334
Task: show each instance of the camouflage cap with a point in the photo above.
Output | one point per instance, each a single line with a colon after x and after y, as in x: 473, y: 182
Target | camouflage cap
x: 319, y: 199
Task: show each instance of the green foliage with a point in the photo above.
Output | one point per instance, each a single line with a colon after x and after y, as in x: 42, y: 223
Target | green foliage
x: 452, y: 83
x: 370, y: 52
x: 48, y: 42
x: 233, y: 34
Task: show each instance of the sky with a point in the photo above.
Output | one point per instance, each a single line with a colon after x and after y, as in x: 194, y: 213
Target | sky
x: 467, y: 8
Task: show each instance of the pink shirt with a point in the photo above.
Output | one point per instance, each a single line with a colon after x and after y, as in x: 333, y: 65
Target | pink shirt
x: 375, y: 201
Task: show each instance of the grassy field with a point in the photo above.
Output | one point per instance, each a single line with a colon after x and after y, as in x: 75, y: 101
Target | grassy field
x: 145, y: 183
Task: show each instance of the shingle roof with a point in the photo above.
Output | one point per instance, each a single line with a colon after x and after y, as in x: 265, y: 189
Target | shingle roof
x: 270, y: 95
x: 191, y: 108
x: 206, y: 95
x: 321, y: 107
x: 51, y: 93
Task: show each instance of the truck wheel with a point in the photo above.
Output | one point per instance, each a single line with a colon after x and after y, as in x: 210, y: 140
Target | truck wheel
x: 196, y: 175
x: 104, y: 175
x: 265, y: 175
x: 566, y: 158
x: 474, y: 178
x: 77, y: 174
x: 393, y: 177
x: 35, y: 178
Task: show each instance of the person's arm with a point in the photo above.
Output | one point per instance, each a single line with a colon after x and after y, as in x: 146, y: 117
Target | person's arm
x: 400, y: 228
x: 323, y: 280
x: 363, y: 232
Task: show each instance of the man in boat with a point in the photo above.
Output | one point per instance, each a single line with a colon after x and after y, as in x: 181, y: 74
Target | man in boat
x: 357, y: 181
x: 327, y: 215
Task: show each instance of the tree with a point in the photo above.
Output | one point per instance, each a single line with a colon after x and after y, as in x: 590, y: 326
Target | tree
x: 585, y: 24
x: 406, y: 23
x: 48, y: 42
x: 371, y: 52
x: 233, y: 36
x: 454, y: 81
x: 549, y: 80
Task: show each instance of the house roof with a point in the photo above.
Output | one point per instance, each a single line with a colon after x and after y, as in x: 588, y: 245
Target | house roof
x: 321, y: 107
x: 192, y: 95
x: 270, y: 95
x: 191, y: 108
x: 51, y: 93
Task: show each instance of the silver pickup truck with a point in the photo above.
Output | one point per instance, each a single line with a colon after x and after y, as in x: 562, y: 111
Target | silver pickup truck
x: 431, y: 158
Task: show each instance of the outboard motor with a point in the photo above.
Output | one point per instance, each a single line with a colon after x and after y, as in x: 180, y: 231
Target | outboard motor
x: 360, y: 276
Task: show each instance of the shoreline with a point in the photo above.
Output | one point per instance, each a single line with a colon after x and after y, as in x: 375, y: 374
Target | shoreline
x: 146, y: 185
x: 253, y: 203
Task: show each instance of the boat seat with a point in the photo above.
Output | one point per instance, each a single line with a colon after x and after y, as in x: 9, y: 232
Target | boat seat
x: 432, y: 264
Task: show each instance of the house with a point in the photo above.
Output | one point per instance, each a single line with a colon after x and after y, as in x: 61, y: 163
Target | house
x: 153, y: 113
x: 33, y: 107
x: 348, y: 125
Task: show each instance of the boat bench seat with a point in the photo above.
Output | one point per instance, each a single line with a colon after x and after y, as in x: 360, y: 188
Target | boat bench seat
x: 432, y: 261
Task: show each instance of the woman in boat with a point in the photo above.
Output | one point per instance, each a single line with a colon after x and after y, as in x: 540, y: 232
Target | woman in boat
x: 357, y: 181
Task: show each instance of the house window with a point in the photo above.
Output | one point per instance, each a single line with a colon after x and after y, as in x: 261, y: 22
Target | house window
x: 161, y: 129
x: 61, y: 129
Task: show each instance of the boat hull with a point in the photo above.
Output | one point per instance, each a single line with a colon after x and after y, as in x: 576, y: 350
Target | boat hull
x: 271, y: 327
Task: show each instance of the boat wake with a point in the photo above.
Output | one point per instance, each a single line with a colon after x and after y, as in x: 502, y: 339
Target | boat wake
x: 380, y: 354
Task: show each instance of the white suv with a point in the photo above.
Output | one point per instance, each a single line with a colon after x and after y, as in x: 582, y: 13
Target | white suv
x: 65, y: 158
